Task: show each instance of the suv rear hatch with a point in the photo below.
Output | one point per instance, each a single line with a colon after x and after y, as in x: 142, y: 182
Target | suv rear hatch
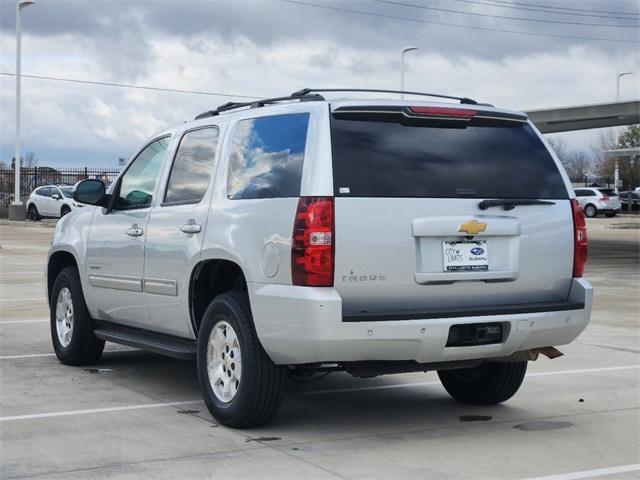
x: 411, y: 231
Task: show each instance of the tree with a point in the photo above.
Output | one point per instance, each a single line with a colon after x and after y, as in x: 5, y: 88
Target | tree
x: 560, y: 147
x: 578, y: 166
x: 29, y: 160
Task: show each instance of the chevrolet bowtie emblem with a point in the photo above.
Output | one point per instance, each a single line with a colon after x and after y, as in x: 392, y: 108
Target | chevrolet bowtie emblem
x: 472, y: 227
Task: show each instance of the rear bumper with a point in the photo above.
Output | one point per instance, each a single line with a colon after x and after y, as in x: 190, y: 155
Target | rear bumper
x: 305, y: 325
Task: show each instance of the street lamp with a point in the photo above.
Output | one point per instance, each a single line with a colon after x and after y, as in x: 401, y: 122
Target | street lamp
x: 620, y: 75
x: 16, y: 210
x: 404, y: 50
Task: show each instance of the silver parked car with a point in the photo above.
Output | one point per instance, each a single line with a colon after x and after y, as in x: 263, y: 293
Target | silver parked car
x: 298, y: 235
x: 598, y: 200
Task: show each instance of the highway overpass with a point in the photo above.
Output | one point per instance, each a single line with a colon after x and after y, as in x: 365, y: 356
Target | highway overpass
x: 582, y: 117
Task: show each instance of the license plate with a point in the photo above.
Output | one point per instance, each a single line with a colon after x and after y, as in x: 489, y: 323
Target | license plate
x: 465, y: 256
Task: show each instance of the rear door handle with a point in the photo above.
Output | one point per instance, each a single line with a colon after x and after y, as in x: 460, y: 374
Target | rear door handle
x: 191, y: 228
x: 134, y: 231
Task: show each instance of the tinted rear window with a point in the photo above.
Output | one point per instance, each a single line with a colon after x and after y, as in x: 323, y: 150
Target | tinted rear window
x: 266, y: 157
x: 385, y: 159
x: 607, y: 191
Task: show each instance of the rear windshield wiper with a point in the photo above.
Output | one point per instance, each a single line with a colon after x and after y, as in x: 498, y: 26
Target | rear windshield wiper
x: 511, y: 203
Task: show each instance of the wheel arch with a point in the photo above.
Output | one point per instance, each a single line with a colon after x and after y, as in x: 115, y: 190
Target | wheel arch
x: 211, y: 277
x: 57, y: 261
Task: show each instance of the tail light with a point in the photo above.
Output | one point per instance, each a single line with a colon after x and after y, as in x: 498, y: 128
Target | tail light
x: 579, y: 239
x: 605, y: 197
x: 312, y: 243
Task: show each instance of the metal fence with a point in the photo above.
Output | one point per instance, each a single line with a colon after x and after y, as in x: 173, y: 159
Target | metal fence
x: 33, y: 177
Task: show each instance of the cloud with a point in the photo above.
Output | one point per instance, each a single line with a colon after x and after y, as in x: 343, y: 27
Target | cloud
x: 267, y: 48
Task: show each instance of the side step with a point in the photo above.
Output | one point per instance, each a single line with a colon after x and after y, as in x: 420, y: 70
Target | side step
x: 177, y: 347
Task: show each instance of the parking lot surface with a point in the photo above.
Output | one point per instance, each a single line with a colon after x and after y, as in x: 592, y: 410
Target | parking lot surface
x: 138, y: 415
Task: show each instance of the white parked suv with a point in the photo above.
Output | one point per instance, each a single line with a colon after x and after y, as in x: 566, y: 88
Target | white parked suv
x: 299, y: 235
x: 51, y: 201
x: 598, y: 200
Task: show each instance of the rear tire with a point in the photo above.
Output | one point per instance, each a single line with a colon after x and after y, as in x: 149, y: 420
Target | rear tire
x: 32, y: 213
x: 71, y: 325
x: 486, y: 384
x: 240, y: 384
x: 590, y: 211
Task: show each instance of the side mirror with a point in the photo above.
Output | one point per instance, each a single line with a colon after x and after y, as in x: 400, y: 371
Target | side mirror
x: 91, y: 192
x: 56, y: 196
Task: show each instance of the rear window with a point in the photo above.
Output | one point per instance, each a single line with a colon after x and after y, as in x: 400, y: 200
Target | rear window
x: 266, y: 157
x: 388, y: 159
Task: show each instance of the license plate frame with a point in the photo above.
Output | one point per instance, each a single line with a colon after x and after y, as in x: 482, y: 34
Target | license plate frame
x: 458, y: 256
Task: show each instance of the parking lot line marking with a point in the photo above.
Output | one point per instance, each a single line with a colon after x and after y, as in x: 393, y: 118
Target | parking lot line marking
x: 343, y: 390
x: 419, y: 384
x: 583, y: 370
x: 7, y: 322
x: 35, y: 355
x: 96, y: 410
x: 32, y: 299
x: 599, y: 472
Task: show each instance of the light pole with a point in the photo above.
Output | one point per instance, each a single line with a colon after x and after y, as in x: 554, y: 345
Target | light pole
x: 16, y: 210
x: 620, y: 75
x: 404, y: 50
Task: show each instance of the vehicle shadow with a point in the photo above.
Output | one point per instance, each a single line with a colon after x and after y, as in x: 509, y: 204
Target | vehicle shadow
x: 338, y: 405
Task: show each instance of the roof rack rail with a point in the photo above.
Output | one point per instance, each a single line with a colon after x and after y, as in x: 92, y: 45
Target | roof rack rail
x: 307, y: 91
x: 258, y: 103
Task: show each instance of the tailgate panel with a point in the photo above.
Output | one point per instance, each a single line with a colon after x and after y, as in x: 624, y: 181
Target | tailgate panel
x: 389, y: 254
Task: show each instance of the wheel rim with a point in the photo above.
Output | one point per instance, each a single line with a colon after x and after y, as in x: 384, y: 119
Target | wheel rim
x: 64, y: 317
x: 590, y: 211
x: 224, y: 361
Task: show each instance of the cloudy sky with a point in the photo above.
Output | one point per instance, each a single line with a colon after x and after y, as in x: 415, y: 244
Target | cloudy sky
x: 521, y: 54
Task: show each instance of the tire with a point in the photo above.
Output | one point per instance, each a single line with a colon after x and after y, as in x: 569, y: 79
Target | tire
x: 610, y: 214
x: 64, y: 210
x: 255, y: 396
x: 32, y: 213
x: 80, y: 346
x: 487, y: 384
x: 590, y: 211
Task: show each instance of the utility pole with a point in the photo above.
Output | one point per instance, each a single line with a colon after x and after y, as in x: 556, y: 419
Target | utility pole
x: 16, y: 209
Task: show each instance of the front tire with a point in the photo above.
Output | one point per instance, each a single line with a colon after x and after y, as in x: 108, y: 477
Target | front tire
x: 32, y: 213
x: 486, y: 384
x: 240, y: 384
x: 71, y: 325
x: 610, y: 214
x: 64, y: 210
x: 590, y: 211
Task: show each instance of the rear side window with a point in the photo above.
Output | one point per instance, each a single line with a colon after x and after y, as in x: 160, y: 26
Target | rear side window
x: 608, y: 191
x: 585, y: 193
x: 266, y: 157
x: 389, y: 159
x: 44, y: 191
x: 192, y: 167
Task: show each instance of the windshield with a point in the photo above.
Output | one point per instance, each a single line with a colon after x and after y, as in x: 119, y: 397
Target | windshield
x: 388, y: 159
x: 67, y: 192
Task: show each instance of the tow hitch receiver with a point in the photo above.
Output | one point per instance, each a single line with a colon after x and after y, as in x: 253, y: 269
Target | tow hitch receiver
x: 471, y: 334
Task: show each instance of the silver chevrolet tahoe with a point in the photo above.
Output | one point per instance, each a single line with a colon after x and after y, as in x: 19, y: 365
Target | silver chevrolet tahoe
x: 298, y: 235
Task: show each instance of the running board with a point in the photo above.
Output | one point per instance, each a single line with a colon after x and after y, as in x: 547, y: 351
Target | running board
x: 182, y: 348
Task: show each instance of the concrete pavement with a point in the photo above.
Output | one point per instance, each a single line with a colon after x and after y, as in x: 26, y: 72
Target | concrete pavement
x: 139, y: 415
